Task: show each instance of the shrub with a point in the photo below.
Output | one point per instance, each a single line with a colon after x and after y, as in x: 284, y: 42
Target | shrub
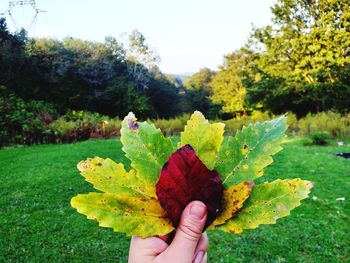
x: 82, y: 125
x: 63, y: 130
x: 31, y: 122
x: 292, y: 122
x: 24, y: 122
x: 171, y: 126
x: 235, y: 124
x: 307, y: 141
x: 320, y: 137
x: 336, y: 125
x: 106, y: 128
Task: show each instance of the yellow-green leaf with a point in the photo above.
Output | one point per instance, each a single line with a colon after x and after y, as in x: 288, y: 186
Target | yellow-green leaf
x: 245, y: 156
x: 131, y: 215
x: 267, y: 203
x: 107, y: 176
x: 232, y: 201
x: 205, y: 138
x: 146, y: 148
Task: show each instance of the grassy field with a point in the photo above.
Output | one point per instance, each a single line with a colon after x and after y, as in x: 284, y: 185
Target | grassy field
x: 37, y: 223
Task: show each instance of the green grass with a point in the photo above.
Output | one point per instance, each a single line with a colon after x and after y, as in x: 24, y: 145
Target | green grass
x: 37, y: 223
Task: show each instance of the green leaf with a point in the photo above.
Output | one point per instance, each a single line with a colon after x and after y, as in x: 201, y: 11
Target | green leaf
x: 107, y: 176
x: 146, y: 147
x: 267, y: 203
x: 124, y: 213
x: 245, y: 156
x: 205, y: 138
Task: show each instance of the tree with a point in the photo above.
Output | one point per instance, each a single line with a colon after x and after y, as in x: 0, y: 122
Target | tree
x: 12, y: 55
x: 85, y: 75
x: 227, y: 88
x: 163, y: 96
x: 76, y: 74
x: 200, y: 79
x: 120, y: 97
x: 142, y: 61
x: 198, y: 91
x: 303, y: 59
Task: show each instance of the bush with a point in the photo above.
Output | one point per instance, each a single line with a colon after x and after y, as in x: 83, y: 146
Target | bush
x: 232, y: 125
x: 171, y: 126
x: 82, y: 125
x: 31, y: 122
x: 307, y: 141
x: 24, y: 122
x: 292, y: 122
x: 320, y: 137
x: 34, y: 122
x: 335, y: 124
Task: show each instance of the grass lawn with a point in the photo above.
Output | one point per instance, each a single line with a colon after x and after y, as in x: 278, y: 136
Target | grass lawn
x: 37, y: 223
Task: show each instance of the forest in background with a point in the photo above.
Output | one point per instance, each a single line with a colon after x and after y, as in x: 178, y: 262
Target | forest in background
x: 299, y: 64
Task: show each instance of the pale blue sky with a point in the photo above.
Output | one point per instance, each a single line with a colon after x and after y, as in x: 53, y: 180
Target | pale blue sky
x: 188, y: 35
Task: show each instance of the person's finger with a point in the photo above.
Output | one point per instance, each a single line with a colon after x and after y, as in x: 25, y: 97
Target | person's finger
x: 189, y: 230
x: 202, y: 247
x: 148, y: 248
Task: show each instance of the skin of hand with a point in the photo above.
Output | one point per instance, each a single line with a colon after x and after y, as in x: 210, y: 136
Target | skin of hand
x: 188, y: 245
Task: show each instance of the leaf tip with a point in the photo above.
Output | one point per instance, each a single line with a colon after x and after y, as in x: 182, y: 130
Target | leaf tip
x: 198, y: 113
x: 73, y: 201
x: 132, y: 121
x: 310, y: 184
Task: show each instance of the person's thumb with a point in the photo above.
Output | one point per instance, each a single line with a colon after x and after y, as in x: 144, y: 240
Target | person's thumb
x: 189, y: 231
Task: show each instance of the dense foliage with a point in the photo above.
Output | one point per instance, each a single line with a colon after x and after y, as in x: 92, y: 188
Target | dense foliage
x: 300, y: 64
x: 227, y: 86
x: 28, y: 122
x: 76, y: 74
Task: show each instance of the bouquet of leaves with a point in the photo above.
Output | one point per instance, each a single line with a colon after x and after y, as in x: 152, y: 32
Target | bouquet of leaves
x: 149, y: 198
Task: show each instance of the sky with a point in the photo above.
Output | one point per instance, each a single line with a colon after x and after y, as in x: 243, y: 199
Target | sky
x: 187, y: 34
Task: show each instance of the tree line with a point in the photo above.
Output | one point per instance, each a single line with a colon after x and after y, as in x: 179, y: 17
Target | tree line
x: 299, y: 63
x: 108, y: 77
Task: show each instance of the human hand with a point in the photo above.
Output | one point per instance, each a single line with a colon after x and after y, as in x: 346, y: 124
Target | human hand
x: 188, y: 245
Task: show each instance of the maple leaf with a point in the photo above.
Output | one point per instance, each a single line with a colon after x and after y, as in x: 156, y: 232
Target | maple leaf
x: 148, y: 199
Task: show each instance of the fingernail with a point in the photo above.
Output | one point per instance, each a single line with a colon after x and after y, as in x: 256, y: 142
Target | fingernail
x: 197, y: 211
x: 199, y: 257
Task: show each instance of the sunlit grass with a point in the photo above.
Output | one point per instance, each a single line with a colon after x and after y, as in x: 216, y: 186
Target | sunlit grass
x: 37, y: 223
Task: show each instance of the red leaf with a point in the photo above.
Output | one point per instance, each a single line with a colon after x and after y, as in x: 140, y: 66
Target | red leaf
x: 183, y: 179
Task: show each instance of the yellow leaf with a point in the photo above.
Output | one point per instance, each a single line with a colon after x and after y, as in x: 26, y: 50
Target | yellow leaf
x: 267, y: 203
x: 232, y: 201
x: 205, y: 138
x: 129, y: 214
x: 110, y: 177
